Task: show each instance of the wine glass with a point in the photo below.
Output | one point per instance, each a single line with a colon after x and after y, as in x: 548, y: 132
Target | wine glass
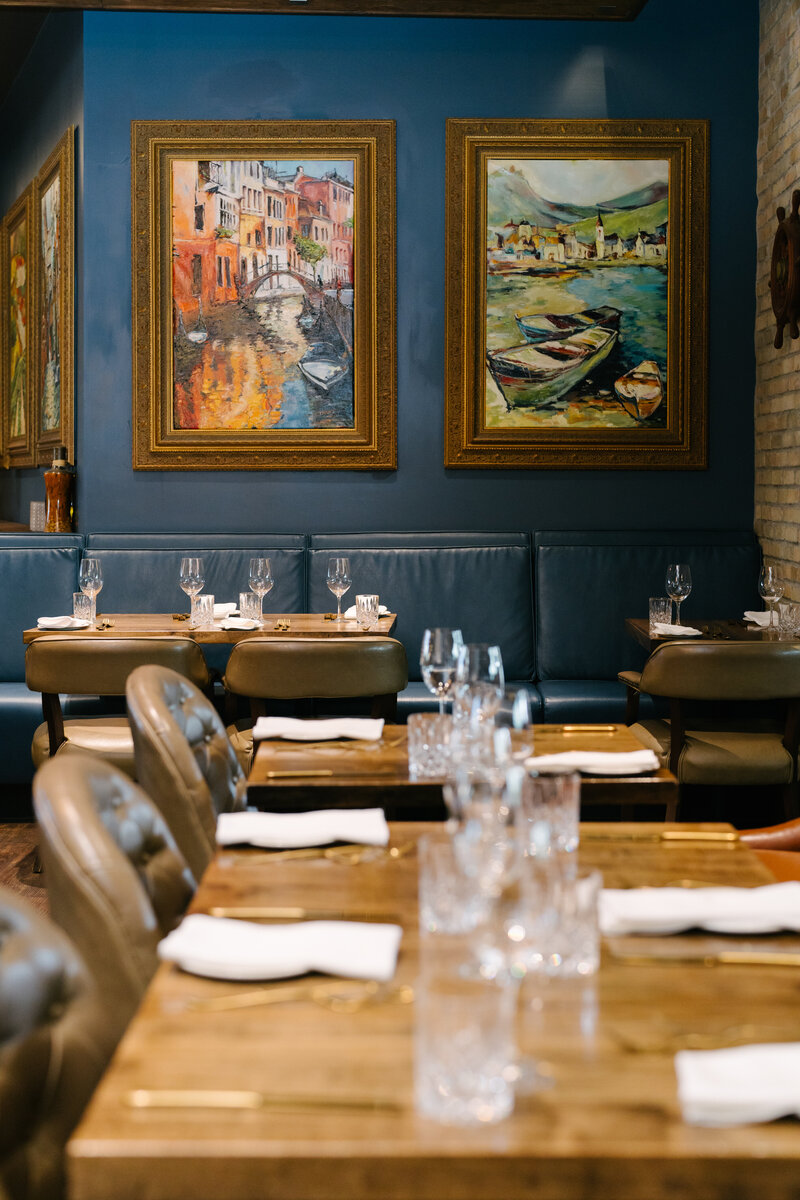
x: 339, y: 581
x: 90, y: 579
x: 679, y: 584
x: 438, y: 657
x: 261, y: 581
x: 480, y: 682
x: 770, y: 588
x: 191, y: 578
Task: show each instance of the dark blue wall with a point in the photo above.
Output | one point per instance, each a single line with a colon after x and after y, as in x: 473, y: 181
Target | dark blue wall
x: 678, y: 59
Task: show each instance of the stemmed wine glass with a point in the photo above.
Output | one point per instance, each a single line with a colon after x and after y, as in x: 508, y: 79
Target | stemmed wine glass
x: 191, y: 578
x: 261, y: 581
x: 339, y: 581
x: 480, y: 681
x: 770, y: 588
x: 90, y: 579
x: 679, y: 584
x: 438, y: 657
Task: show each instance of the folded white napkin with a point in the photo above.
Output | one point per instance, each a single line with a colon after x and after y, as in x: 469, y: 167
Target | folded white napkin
x: 739, y: 1086
x: 239, y: 623
x: 675, y: 630
x: 350, y: 613
x: 223, y: 948
x: 366, y: 826
x: 224, y: 610
x: 658, y: 910
x: 62, y: 623
x: 367, y: 729
x: 596, y: 762
x: 758, y: 618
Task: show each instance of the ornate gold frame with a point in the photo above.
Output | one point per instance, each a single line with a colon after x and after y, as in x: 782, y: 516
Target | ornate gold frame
x: 61, y: 165
x: 19, y: 451
x: 468, y: 441
x: 372, y: 443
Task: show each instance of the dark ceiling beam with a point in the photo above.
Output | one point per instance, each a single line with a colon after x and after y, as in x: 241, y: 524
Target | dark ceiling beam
x: 569, y: 10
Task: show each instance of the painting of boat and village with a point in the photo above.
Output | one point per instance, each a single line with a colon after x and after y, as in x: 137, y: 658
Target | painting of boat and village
x: 262, y: 294
x: 576, y: 293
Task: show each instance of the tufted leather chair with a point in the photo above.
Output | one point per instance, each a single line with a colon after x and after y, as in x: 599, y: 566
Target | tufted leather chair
x: 116, y: 881
x: 184, y: 759
x: 263, y: 669
x: 734, y: 711
x: 90, y: 666
x: 55, y: 1040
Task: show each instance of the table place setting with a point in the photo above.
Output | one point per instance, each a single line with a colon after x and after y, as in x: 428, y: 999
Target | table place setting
x: 596, y: 762
x: 659, y: 629
x: 740, y: 1085
x: 295, y: 729
x: 227, y: 948
x: 762, y: 619
x: 364, y: 826
x: 668, y: 910
x: 65, y: 622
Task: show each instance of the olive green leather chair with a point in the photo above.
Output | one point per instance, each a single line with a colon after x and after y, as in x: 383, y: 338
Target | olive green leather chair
x: 734, y: 712
x: 55, y: 1040
x: 777, y: 846
x: 184, y: 759
x: 88, y: 666
x: 264, y: 669
x: 116, y: 881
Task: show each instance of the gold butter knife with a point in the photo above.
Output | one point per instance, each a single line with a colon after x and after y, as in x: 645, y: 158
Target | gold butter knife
x: 723, y: 837
x: 754, y: 958
x: 235, y: 1099
x: 296, y: 774
x: 296, y: 913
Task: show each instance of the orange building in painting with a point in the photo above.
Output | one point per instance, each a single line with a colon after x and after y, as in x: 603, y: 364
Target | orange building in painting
x: 335, y: 195
x: 206, y: 212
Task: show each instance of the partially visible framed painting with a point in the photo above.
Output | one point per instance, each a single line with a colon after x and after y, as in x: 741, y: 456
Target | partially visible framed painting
x: 18, y: 365
x: 54, y: 222
x: 263, y: 295
x: 576, y: 294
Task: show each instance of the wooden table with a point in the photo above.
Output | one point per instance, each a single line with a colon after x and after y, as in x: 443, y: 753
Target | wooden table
x: 362, y: 773
x: 610, y: 1126
x: 728, y: 631
x: 301, y: 625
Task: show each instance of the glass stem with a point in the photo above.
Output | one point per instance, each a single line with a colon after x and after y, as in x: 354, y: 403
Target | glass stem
x: 338, y: 608
x: 678, y: 612
x: 441, y: 704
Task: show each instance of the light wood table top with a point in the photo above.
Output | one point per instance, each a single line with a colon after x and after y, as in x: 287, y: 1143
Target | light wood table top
x: 356, y: 773
x: 166, y: 624
x: 610, y: 1126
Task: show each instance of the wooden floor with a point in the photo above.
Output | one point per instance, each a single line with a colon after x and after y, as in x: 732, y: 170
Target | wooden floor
x: 18, y: 862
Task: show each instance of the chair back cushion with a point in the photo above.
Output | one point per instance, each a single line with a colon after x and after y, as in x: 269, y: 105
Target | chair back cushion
x: 116, y: 881
x: 184, y: 759
x: 92, y: 666
x: 700, y: 670
x: 39, y: 574
x: 297, y: 668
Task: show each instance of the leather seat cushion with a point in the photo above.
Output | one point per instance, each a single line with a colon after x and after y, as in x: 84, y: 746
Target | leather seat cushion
x: 592, y: 700
x: 108, y: 737
x: 417, y: 698
x: 722, y: 756
x: 241, y: 738
x: 784, y: 864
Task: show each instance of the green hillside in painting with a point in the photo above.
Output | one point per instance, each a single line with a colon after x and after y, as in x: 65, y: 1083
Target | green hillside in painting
x: 626, y: 224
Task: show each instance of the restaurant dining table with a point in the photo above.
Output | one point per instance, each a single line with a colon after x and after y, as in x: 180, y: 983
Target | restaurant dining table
x: 291, y: 776
x: 292, y: 625
x: 237, y: 1091
x: 709, y: 630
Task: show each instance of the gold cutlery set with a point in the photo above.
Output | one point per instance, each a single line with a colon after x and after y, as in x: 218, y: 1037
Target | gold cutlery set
x: 148, y: 1098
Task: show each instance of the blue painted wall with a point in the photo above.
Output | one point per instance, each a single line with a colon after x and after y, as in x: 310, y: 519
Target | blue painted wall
x: 676, y: 60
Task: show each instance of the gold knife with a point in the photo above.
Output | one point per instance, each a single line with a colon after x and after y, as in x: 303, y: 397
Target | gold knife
x: 754, y: 958
x: 228, y: 1098
x: 296, y: 913
x: 723, y: 837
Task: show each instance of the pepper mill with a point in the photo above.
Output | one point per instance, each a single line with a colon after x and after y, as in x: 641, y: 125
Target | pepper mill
x: 59, y: 480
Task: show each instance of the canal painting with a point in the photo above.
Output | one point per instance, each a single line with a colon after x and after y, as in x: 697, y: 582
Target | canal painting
x: 50, y: 317
x: 577, y: 269
x: 262, y: 294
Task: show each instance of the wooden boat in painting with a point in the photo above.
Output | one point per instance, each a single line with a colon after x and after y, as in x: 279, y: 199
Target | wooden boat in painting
x: 535, y: 374
x: 323, y: 366
x: 541, y: 327
x: 641, y: 390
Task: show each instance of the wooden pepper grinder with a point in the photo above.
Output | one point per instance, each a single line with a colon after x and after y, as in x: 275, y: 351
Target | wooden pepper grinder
x: 59, y: 482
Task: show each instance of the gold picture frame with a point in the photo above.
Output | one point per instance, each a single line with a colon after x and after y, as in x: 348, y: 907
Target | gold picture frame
x: 53, y: 343
x: 251, y: 241
x: 16, y: 304
x: 576, y: 325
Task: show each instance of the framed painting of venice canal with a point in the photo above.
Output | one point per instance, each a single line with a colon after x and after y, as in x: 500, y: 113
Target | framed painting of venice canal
x: 53, y: 202
x: 16, y: 302
x: 263, y: 295
x: 576, y: 294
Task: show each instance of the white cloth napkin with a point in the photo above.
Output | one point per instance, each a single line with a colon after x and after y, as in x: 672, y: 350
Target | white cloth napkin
x: 720, y: 909
x: 739, y: 1086
x: 596, y: 762
x: 239, y: 623
x: 62, y: 623
x: 366, y: 826
x: 367, y: 729
x: 675, y: 630
x: 224, y: 610
x: 758, y: 618
x: 350, y: 613
x: 222, y: 948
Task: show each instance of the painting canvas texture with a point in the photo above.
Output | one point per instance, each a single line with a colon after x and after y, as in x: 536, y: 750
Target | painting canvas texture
x: 262, y: 294
x: 50, y: 217
x: 17, y: 282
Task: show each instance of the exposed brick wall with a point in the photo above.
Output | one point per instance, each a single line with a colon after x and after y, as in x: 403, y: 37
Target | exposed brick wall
x: 777, y: 400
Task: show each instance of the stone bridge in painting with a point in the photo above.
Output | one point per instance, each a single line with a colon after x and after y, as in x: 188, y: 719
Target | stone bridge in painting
x: 249, y: 288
